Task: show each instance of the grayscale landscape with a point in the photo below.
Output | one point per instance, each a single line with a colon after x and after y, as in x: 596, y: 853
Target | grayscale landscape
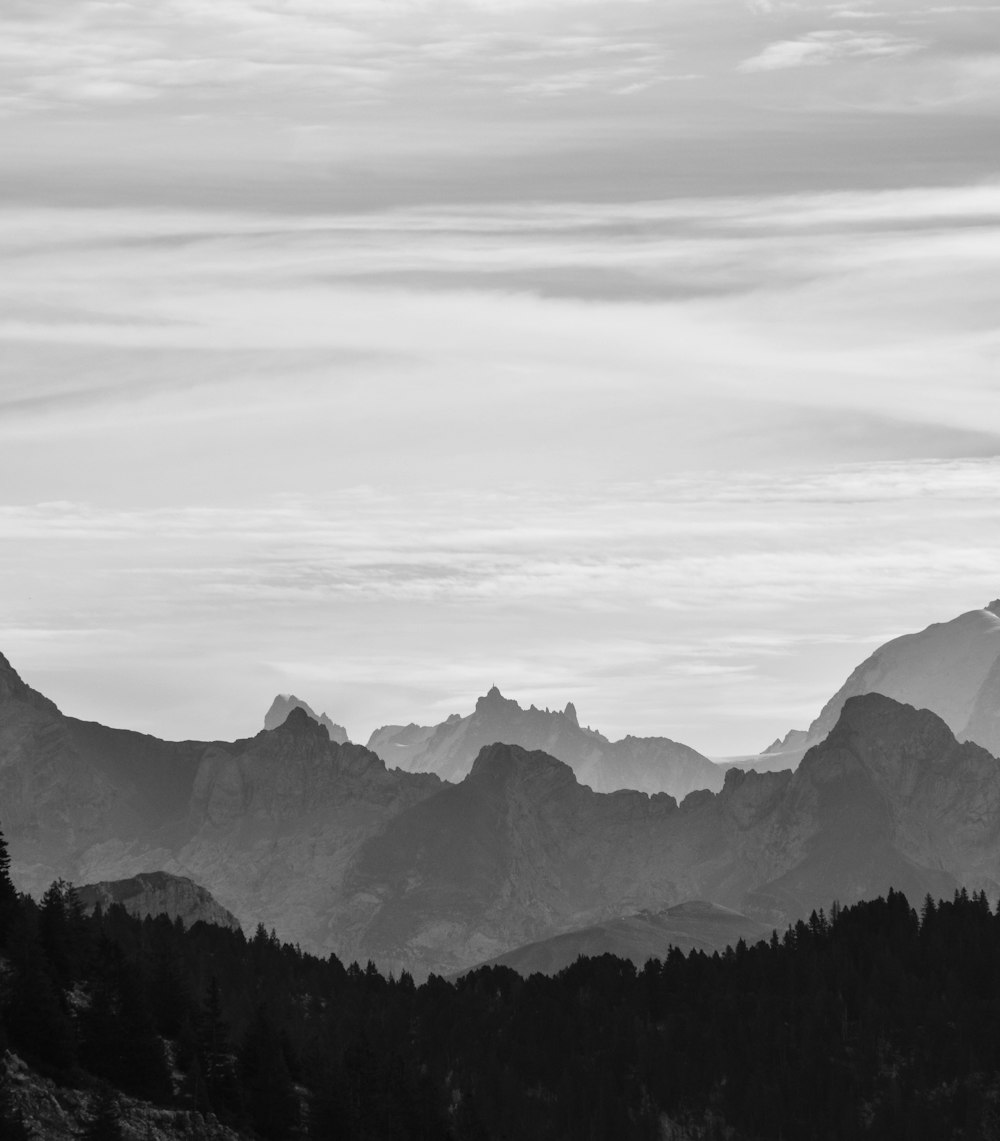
x: 499, y: 570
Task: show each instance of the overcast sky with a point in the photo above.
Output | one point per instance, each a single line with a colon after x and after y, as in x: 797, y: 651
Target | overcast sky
x: 641, y: 353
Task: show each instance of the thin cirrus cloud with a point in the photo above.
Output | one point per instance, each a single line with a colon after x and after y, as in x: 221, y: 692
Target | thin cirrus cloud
x: 827, y: 47
x: 657, y: 605
x: 694, y: 301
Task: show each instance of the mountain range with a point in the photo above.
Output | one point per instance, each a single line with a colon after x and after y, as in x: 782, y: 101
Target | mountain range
x: 338, y: 852
x: 647, y: 764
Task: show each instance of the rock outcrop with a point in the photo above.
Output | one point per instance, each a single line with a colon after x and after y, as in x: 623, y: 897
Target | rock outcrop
x: 646, y: 764
x: 52, y: 1112
x: 159, y: 893
x: 284, y: 703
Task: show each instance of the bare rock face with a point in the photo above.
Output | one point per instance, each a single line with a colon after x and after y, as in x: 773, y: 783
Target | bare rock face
x: 158, y: 893
x: 284, y: 703
x: 59, y: 1113
x: 647, y: 764
x: 951, y: 668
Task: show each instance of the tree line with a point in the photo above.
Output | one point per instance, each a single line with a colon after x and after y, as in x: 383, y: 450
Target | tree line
x: 874, y: 1021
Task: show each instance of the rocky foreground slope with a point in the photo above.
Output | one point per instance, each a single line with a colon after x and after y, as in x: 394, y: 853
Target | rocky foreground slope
x: 647, y: 764
x: 339, y: 854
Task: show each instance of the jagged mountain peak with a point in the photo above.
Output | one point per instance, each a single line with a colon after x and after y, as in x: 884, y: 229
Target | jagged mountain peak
x: 283, y: 705
x: 994, y: 607
x: 300, y: 721
x: 495, y: 702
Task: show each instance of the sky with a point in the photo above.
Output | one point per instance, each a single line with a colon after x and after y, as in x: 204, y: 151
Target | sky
x: 641, y: 354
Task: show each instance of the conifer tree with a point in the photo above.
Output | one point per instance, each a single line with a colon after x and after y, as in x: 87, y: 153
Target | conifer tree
x: 8, y: 893
x: 105, y: 1117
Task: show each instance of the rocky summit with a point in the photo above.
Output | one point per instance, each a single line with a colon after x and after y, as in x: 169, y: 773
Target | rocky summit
x: 158, y: 893
x: 284, y: 703
x: 646, y: 764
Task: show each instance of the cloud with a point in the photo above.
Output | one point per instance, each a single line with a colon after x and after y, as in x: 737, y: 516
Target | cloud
x: 826, y: 47
x: 657, y: 605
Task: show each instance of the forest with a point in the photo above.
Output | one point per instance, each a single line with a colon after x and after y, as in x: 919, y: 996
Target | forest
x: 874, y: 1021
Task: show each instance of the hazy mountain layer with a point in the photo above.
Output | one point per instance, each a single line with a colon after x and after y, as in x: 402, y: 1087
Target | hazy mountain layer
x: 337, y: 853
x: 693, y: 926
x: 284, y: 703
x: 520, y: 850
x: 647, y: 764
x: 951, y: 668
x: 268, y: 825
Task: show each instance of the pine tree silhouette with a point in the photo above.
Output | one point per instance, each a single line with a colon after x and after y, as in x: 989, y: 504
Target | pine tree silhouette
x: 8, y: 893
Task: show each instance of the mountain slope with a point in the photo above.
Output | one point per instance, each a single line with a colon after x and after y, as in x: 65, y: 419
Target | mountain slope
x: 647, y: 764
x: 951, y: 668
x: 284, y: 703
x: 338, y: 853
x: 268, y: 825
x: 520, y: 851
x: 692, y: 926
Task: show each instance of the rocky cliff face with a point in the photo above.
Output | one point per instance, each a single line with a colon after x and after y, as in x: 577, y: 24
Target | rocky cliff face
x: 59, y: 1113
x: 284, y: 703
x: 647, y: 764
x: 158, y: 893
x: 951, y: 668
x: 338, y: 853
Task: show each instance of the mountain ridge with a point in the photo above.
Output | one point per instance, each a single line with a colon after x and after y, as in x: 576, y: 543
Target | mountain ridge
x: 341, y: 853
x: 647, y: 764
x: 283, y: 705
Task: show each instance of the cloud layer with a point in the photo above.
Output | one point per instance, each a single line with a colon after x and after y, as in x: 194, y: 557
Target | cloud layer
x: 641, y: 354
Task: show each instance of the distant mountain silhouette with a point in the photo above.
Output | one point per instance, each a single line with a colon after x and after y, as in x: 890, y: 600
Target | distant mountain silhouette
x: 340, y: 854
x: 691, y: 926
x: 284, y: 703
x: 520, y: 851
x: 951, y: 668
x: 647, y: 764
